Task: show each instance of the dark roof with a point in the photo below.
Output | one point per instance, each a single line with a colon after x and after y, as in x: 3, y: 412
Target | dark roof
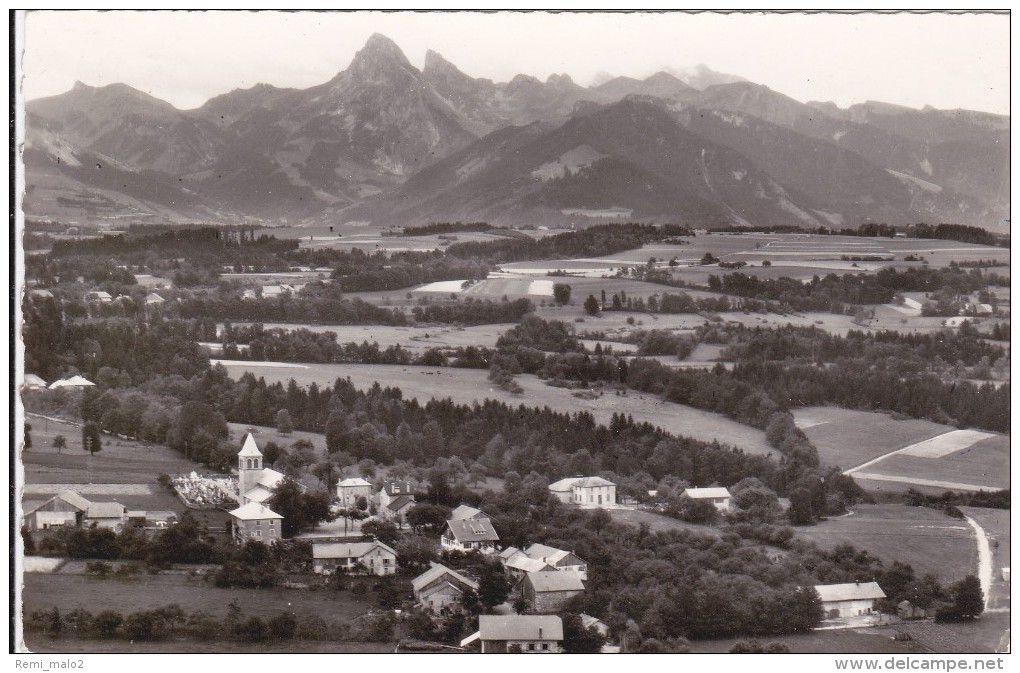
x: 555, y: 580
x: 472, y: 530
x: 400, y: 501
x: 400, y: 488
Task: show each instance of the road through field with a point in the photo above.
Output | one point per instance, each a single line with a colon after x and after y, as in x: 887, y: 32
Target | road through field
x: 984, y: 559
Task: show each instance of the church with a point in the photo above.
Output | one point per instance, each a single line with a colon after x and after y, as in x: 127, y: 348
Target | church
x: 255, y: 484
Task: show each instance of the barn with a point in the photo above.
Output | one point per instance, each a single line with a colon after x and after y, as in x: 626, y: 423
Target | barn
x: 849, y: 600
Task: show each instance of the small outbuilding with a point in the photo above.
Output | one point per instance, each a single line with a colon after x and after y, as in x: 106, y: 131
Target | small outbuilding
x: 548, y: 590
x: 440, y: 590
x: 717, y: 495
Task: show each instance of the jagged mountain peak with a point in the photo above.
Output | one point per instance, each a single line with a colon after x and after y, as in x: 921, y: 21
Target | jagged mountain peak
x: 379, y: 51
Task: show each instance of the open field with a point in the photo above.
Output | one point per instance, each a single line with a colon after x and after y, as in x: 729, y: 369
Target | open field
x: 980, y: 636
x: 983, y: 465
x: 659, y: 522
x: 995, y: 523
x: 925, y: 538
x: 842, y: 641
x: 848, y: 438
x: 147, y: 592
x: 264, y: 434
x: 412, y: 338
x: 465, y: 386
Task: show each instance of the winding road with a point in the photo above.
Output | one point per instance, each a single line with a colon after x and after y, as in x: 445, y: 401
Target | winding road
x: 984, y: 559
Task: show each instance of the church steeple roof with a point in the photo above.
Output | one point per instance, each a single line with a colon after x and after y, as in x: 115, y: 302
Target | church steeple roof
x: 250, y: 449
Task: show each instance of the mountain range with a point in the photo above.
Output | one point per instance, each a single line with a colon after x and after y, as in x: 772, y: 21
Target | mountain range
x: 387, y: 143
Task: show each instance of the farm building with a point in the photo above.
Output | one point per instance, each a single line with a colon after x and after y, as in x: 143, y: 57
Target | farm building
x: 396, y: 509
x: 586, y: 491
x: 468, y: 512
x: 249, y: 295
x: 530, y: 634
x: 589, y: 622
x: 718, y: 496
x: 547, y: 590
x: 153, y: 299
x: 469, y: 535
x: 76, y: 381
x: 849, y: 600
x: 912, y: 303
x: 517, y: 564
x: 255, y: 521
x: 98, y: 296
x: 254, y: 482
x: 110, y: 515
x: 349, y: 490
x: 563, y: 490
x: 558, y: 559
x: 64, y: 509
x: 270, y: 291
x: 441, y: 590
x: 392, y: 489
x: 373, y: 557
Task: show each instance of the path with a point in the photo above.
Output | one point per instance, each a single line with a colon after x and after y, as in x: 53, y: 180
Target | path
x: 984, y: 559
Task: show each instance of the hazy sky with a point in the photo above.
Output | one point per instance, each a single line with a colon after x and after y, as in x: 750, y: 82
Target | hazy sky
x: 948, y: 61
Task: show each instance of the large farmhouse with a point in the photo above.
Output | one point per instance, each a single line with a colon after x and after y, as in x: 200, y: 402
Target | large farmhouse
x: 373, y: 557
x: 68, y: 508
x: 849, y: 600
x: 529, y: 634
x: 718, y: 496
x: 349, y: 490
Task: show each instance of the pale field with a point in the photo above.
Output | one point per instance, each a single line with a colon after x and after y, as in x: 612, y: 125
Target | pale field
x: 412, y: 338
x: 466, y: 386
x: 984, y: 464
x: 925, y: 538
x: 848, y: 438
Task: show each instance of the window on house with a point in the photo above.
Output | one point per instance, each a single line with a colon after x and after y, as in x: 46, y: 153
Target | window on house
x: 531, y: 647
x: 545, y: 646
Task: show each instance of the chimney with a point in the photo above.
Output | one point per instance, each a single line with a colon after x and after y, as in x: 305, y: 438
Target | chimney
x: 540, y: 633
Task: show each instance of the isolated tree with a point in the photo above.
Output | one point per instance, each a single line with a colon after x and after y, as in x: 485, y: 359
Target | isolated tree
x: 561, y: 293
x: 493, y: 586
x: 299, y: 510
x: 384, y: 531
x: 59, y: 443
x: 591, y: 305
x: 284, y: 425
x: 271, y: 453
x: 90, y: 439
x: 428, y: 517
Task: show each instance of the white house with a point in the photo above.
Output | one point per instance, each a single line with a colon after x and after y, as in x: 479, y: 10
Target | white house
x: 255, y: 521
x: 594, y: 491
x: 912, y: 303
x: 67, y: 508
x: 153, y: 299
x: 530, y: 634
x: 33, y: 382
x: 849, y: 600
x: 585, y: 491
x: 349, y: 490
x: 372, y: 557
x: 718, y: 496
x: 469, y: 535
x: 393, y: 489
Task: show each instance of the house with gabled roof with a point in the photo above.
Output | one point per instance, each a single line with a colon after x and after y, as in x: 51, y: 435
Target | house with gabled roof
x: 717, y: 495
x: 850, y: 599
x: 153, y: 299
x: 529, y: 634
x: 468, y: 512
x: 584, y: 491
x: 110, y: 515
x: 559, y: 559
x: 66, y: 508
x: 548, y: 590
x: 520, y: 564
x: 349, y: 490
x: 393, y: 489
x: 397, y: 508
x: 372, y: 557
x: 469, y: 535
x: 440, y: 590
x: 255, y: 521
